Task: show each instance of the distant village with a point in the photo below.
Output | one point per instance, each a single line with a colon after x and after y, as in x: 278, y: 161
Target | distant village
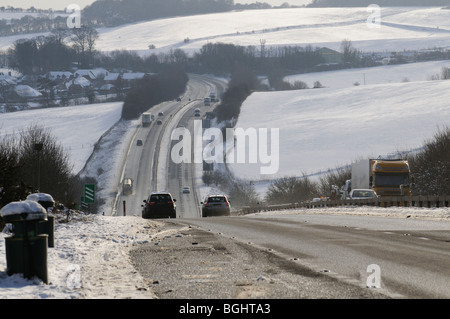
x: 63, y: 88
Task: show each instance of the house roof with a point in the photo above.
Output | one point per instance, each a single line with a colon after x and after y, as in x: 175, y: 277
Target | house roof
x: 91, y: 73
x: 5, y: 81
x: 133, y: 76
x: 106, y: 87
x: 325, y: 50
x: 111, y: 76
x: 81, y: 81
x: 53, y: 75
x: 26, y: 91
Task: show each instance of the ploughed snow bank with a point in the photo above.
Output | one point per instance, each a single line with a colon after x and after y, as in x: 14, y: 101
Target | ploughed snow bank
x: 90, y: 260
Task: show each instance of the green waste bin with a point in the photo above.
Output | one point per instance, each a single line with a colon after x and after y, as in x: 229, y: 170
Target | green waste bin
x: 26, y: 249
x: 46, y: 226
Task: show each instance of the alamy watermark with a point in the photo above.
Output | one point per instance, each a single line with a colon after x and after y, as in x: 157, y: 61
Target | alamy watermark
x: 74, y: 19
x: 374, y: 279
x: 242, y: 146
x: 374, y: 19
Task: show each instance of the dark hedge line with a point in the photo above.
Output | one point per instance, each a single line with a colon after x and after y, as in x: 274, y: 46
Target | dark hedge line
x: 152, y: 90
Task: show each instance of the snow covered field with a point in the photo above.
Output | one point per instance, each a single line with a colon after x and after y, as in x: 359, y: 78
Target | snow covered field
x: 77, y: 128
x: 399, y: 29
x: 412, y: 72
x: 326, y: 128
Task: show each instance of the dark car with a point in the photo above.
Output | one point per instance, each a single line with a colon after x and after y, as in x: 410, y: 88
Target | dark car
x: 159, y: 205
x: 215, y: 205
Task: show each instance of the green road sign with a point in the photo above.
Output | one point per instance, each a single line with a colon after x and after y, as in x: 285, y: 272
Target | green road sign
x: 89, y: 193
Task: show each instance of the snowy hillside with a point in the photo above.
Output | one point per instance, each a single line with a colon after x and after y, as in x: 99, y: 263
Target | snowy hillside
x: 330, y: 127
x: 376, y: 75
x: 400, y: 29
x: 77, y: 128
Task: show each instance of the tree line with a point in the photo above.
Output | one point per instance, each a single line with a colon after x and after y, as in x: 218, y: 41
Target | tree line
x: 51, y: 53
x: 30, y: 24
x: 115, y: 12
x: 32, y: 160
x: 152, y: 90
x: 42, y: 54
x: 219, y: 59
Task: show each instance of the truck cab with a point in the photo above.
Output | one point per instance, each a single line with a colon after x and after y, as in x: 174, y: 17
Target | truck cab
x: 385, y: 176
x: 391, y: 177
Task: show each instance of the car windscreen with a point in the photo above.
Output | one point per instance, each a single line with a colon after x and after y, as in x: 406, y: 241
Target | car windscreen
x: 363, y: 194
x: 160, y: 198
x: 218, y: 199
x: 391, y: 179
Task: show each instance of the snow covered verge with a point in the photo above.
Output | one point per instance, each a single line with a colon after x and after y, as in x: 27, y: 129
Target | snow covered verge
x: 90, y: 260
x: 420, y: 213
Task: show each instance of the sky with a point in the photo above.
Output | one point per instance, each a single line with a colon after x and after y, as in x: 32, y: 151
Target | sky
x: 62, y: 4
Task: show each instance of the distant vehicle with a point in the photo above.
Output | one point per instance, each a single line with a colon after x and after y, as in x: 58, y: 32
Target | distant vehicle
x: 212, y: 97
x: 197, y: 112
x: 146, y: 119
x: 207, y: 101
x: 159, y: 122
x: 217, y: 205
x: 159, y: 205
x: 362, y: 194
x: 385, y: 176
x: 160, y: 114
x: 179, y: 99
x: 139, y: 142
x: 186, y: 190
x: 127, y: 186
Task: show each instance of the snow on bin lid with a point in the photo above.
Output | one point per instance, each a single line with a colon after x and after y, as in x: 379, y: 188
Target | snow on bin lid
x: 40, y: 197
x: 32, y: 209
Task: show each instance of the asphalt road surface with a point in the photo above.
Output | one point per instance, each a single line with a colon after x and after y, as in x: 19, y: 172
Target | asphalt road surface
x: 272, y: 256
x: 150, y: 165
x: 411, y: 258
x: 299, y: 256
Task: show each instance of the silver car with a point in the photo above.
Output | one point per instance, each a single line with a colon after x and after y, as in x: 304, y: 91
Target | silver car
x: 215, y: 205
x: 362, y: 194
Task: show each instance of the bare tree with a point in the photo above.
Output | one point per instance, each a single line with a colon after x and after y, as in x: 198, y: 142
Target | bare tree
x: 60, y: 34
x: 84, y: 42
x: 43, y: 162
x: 9, y: 171
x: 349, y: 53
x: 290, y: 190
